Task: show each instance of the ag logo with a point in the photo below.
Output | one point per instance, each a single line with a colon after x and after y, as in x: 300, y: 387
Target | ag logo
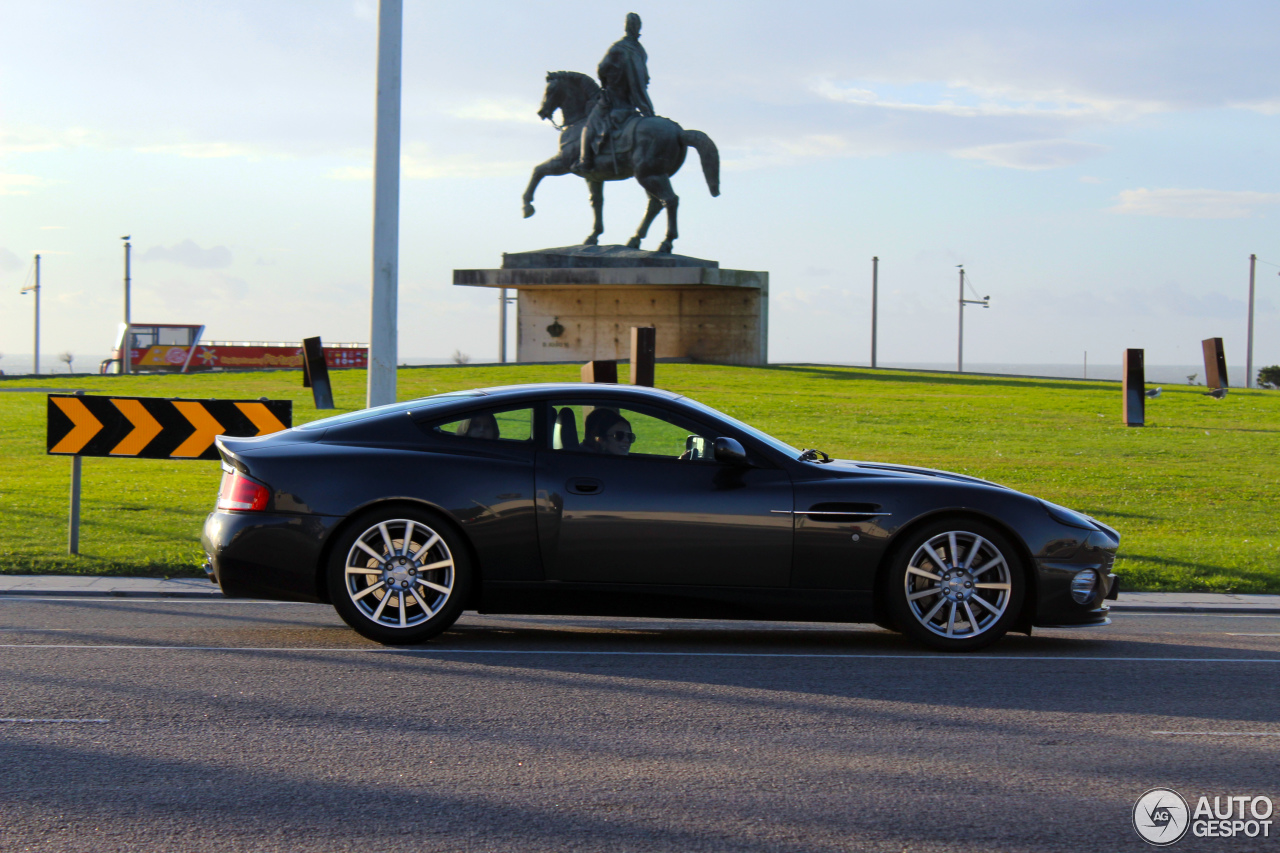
x: 1161, y: 816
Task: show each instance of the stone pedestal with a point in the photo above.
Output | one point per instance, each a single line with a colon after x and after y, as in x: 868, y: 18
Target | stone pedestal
x: 580, y: 302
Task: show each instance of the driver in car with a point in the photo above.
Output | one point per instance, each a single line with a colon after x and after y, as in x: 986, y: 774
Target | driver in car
x: 608, y: 432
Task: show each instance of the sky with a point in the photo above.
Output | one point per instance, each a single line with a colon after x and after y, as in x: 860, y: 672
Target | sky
x: 1103, y: 170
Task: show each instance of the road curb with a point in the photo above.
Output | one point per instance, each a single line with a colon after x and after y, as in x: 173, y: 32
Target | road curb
x: 216, y: 594
x: 107, y: 593
x: 1190, y: 608
x: 15, y: 586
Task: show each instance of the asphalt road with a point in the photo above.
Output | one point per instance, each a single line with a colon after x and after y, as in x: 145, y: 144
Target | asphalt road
x: 140, y: 725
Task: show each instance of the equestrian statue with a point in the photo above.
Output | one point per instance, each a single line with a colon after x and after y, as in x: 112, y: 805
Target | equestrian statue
x: 610, y: 133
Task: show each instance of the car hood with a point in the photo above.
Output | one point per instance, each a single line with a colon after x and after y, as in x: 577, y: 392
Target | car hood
x: 852, y: 467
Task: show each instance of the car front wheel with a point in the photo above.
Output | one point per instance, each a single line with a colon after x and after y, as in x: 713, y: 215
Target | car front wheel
x: 956, y: 585
x: 399, y: 576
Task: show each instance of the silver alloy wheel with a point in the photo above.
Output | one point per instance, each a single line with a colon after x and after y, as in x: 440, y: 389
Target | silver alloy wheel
x: 958, y: 584
x: 399, y: 573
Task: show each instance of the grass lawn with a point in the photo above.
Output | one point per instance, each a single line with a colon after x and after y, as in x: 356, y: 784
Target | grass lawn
x: 1193, y: 494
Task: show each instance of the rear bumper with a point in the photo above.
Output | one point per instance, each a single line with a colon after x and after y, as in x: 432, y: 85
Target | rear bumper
x: 267, y: 555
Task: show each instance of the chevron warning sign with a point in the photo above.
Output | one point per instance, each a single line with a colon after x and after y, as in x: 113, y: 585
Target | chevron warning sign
x: 156, y: 427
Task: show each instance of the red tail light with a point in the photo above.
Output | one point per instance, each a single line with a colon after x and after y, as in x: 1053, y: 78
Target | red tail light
x: 238, y: 492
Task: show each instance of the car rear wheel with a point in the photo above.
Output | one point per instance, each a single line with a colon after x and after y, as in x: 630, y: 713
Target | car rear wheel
x: 956, y: 585
x: 399, y: 576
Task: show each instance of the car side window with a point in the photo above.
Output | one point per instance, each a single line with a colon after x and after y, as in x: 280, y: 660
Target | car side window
x: 613, y: 430
x: 509, y: 425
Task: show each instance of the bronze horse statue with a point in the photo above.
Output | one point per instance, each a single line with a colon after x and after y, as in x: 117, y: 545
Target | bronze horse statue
x: 657, y: 151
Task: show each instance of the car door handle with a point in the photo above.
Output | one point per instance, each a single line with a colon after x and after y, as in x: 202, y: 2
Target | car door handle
x: 584, y: 486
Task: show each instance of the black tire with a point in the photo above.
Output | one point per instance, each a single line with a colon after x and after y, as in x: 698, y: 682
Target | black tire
x: 423, y: 560
x: 950, y: 604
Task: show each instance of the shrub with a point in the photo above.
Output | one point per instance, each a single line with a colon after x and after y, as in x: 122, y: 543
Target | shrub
x: 1269, y: 377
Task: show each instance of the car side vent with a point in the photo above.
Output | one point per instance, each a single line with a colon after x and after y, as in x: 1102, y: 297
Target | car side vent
x: 844, y: 513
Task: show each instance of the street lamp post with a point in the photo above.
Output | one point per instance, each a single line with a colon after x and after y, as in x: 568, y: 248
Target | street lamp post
x: 875, y: 296
x: 1248, y: 367
x: 985, y: 302
x: 126, y: 356
x: 383, y: 344
x: 35, y: 289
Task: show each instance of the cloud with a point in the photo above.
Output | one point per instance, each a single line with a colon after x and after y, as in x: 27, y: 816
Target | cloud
x: 967, y: 100
x: 188, y: 254
x: 1193, y: 204
x: 1170, y: 299
x: 1032, y: 155
x: 1267, y: 108
x: 490, y: 109
x: 18, y: 184
x: 9, y: 261
x: 203, y: 150
x: 27, y: 139
x: 418, y: 163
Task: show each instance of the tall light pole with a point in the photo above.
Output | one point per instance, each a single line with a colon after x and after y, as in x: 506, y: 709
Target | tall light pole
x: 35, y: 289
x: 1248, y: 367
x: 985, y: 302
x: 127, y: 355
x: 875, y: 286
x: 383, y: 345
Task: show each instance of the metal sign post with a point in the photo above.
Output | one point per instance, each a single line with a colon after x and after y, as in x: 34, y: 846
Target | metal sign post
x: 73, y: 526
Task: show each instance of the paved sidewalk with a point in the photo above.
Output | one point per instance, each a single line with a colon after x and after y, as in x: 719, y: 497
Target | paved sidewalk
x: 1196, y: 602
x: 82, y: 586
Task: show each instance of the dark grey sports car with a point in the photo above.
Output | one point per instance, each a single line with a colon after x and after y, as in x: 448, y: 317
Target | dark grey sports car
x: 621, y: 500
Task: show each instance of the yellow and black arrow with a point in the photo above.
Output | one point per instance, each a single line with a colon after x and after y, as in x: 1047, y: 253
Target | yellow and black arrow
x: 156, y: 427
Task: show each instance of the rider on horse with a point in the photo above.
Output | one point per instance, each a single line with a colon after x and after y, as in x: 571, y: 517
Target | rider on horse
x: 624, y: 77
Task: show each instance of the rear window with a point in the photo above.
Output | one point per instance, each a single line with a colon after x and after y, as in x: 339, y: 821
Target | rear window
x: 508, y: 425
x: 407, y: 406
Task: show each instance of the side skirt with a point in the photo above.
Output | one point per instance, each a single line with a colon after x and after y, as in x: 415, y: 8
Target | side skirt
x: 676, y: 602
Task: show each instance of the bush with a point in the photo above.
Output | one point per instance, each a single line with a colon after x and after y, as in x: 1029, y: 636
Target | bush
x: 1269, y: 377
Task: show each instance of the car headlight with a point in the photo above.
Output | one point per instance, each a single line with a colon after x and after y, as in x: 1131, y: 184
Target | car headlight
x: 1069, y: 517
x: 1083, y: 585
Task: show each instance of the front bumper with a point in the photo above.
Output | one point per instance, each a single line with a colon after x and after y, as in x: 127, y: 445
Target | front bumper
x: 267, y: 555
x: 1056, y: 606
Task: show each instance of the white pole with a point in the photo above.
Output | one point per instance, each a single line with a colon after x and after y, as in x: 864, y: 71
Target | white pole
x: 386, y: 209
x: 127, y: 355
x: 960, y: 337
x: 1248, y: 368
x: 875, y: 297
x: 37, y: 328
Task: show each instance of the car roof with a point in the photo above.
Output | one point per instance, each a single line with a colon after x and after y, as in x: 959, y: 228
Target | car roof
x: 541, y: 389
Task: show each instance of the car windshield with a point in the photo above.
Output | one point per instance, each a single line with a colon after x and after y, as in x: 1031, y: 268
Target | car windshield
x: 780, y: 446
x: 406, y: 406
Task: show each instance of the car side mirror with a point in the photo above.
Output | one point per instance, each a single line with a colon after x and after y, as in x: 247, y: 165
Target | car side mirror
x: 729, y: 451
